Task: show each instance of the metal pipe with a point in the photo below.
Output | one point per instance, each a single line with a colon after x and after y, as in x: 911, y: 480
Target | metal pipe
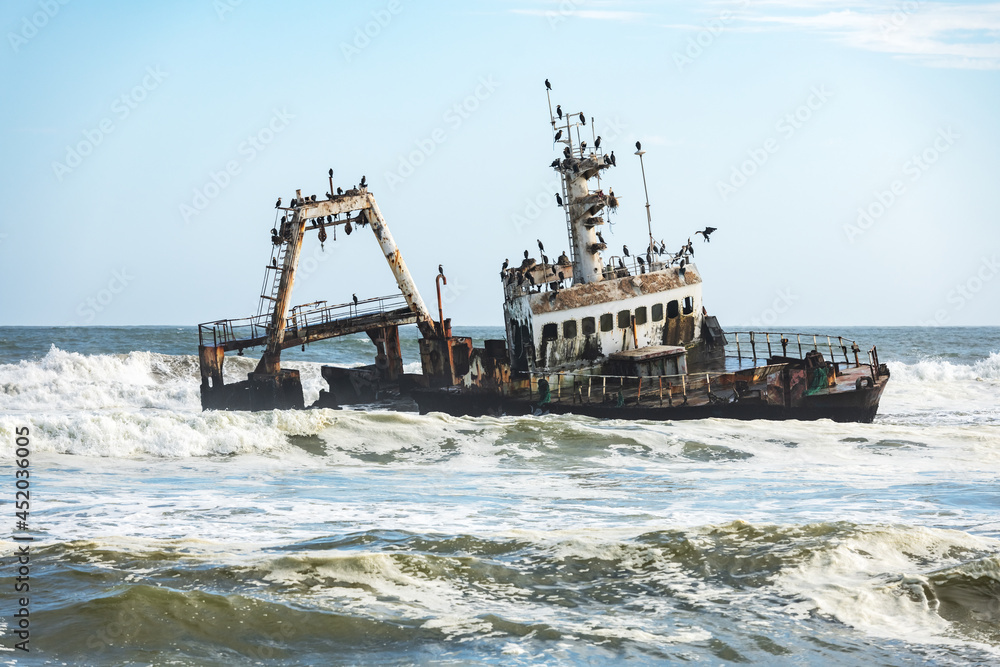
x: 437, y: 282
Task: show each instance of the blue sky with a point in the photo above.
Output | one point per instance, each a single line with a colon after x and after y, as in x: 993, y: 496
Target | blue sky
x: 848, y: 153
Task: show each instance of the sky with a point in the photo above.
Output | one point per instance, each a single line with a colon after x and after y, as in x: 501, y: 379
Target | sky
x: 847, y: 153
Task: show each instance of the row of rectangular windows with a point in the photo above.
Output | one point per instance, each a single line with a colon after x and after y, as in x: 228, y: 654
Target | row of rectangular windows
x: 550, y: 331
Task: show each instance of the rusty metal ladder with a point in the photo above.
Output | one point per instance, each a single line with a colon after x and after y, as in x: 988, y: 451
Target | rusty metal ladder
x: 267, y: 299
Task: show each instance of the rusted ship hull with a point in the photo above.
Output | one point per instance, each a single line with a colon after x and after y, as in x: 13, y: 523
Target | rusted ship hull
x: 857, y: 404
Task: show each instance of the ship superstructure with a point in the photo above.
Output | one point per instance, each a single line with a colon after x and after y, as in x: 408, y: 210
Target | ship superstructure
x: 570, y: 311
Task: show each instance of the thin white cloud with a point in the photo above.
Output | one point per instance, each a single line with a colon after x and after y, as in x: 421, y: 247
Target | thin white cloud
x: 934, y: 34
x: 597, y: 14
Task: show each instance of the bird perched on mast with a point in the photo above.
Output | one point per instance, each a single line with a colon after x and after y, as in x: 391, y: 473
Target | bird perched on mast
x: 583, y: 119
x: 277, y: 204
x: 548, y: 86
x: 541, y: 248
x: 638, y: 146
x: 625, y: 250
x: 364, y: 183
x: 440, y: 269
x: 559, y: 111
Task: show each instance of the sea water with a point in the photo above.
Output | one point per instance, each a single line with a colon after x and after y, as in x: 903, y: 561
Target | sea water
x: 168, y: 535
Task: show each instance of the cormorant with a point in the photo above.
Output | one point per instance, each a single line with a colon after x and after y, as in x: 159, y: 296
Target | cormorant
x: 364, y: 183
x: 638, y: 146
x: 331, y: 172
x: 597, y: 142
x: 583, y: 146
x: 566, y: 152
x: 559, y: 111
x: 558, y: 136
x: 355, y: 297
x: 274, y: 263
x: 706, y: 233
x: 607, y: 160
x: 506, y: 263
x: 614, y: 162
x: 600, y: 238
x: 340, y: 191
x: 548, y: 86
x: 277, y: 204
x: 583, y: 119
x: 555, y: 163
x: 625, y: 248
x: 440, y: 269
x: 526, y: 254
x: 541, y: 248
x: 313, y: 197
x: 559, y: 199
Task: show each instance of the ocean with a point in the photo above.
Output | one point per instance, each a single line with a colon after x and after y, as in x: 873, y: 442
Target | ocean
x: 164, y: 535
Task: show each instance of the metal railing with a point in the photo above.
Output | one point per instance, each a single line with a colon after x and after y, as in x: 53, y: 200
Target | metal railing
x: 754, y: 345
x: 251, y: 329
x: 616, y: 267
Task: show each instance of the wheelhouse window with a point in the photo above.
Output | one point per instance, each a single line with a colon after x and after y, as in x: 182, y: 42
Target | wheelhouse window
x: 607, y: 322
x: 640, y: 315
x: 550, y: 331
x: 569, y: 329
x: 657, y: 312
x: 589, y: 326
x: 688, y: 305
x: 624, y: 319
x: 673, y: 310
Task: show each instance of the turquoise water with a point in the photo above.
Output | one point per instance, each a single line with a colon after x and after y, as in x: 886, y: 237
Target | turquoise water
x: 166, y: 535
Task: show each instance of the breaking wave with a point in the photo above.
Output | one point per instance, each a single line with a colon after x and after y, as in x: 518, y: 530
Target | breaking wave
x: 676, y: 590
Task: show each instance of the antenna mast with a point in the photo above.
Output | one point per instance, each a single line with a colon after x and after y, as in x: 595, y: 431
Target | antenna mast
x: 649, y: 219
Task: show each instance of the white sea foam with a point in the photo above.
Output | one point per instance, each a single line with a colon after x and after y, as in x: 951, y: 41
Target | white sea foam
x: 877, y: 581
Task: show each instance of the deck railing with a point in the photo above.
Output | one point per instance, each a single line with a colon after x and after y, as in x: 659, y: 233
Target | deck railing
x: 251, y: 329
x: 754, y: 345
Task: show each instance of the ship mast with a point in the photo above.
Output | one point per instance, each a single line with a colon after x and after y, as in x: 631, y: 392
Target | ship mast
x: 578, y: 165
